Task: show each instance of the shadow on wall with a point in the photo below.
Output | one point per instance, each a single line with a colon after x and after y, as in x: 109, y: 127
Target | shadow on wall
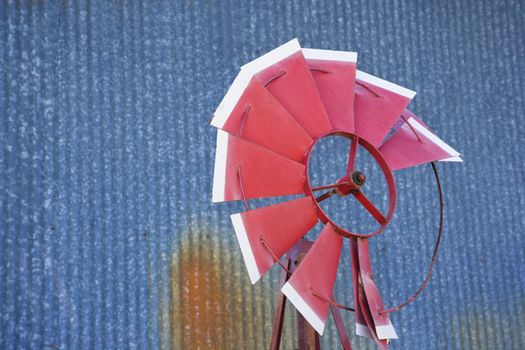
x: 213, y: 304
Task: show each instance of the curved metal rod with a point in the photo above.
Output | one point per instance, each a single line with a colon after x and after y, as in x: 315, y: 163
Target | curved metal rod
x: 244, y: 117
x: 313, y: 69
x: 275, y: 257
x: 413, y: 130
x: 276, y: 76
x: 330, y: 301
x: 368, y: 88
x: 244, y: 200
x: 436, y: 247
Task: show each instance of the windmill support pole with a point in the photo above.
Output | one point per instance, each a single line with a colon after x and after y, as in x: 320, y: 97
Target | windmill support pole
x: 307, y: 337
x: 277, y: 330
x: 341, y: 330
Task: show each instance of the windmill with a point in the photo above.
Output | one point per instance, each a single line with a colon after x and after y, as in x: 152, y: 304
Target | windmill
x: 277, y: 109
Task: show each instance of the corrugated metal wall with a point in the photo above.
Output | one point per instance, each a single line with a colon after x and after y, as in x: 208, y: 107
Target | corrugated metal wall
x: 108, y: 238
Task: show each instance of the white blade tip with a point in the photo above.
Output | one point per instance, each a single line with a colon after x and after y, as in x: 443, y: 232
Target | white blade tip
x: 303, y: 308
x: 362, y: 330
x: 219, y: 176
x: 454, y: 155
x: 330, y: 55
x: 386, y: 332
x: 272, y: 57
x: 384, y: 84
x: 246, y: 248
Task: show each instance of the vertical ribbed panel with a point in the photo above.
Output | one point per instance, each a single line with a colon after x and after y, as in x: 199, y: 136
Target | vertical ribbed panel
x: 108, y: 238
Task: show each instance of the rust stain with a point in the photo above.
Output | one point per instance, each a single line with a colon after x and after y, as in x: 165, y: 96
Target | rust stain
x: 212, y: 303
x: 198, y: 323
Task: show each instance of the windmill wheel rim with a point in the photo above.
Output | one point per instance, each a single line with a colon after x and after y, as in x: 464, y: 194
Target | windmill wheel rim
x: 387, y: 172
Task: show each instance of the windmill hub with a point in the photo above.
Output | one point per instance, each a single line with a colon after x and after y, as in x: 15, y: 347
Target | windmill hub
x: 350, y: 182
x: 358, y: 178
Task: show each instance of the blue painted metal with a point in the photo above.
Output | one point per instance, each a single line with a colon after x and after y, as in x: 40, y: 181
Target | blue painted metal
x: 108, y: 238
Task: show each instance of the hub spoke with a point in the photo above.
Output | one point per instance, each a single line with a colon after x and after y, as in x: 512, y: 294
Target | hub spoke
x: 325, y: 195
x: 372, y: 209
x: 352, y: 155
x: 325, y: 187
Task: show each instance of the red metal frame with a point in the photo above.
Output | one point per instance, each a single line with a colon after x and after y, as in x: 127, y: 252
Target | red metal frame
x: 348, y: 185
x: 307, y: 336
x: 308, y: 339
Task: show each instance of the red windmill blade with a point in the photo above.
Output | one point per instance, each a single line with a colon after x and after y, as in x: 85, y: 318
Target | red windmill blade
x: 277, y: 109
x: 244, y: 170
x: 365, y: 307
x: 267, y: 233
x: 383, y: 326
x: 249, y: 111
x: 414, y: 143
x: 361, y: 327
x: 334, y: 75
x: 369, y: 322
x: 284, y: 69
x: 312, y: 303
x: 377, y: 106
